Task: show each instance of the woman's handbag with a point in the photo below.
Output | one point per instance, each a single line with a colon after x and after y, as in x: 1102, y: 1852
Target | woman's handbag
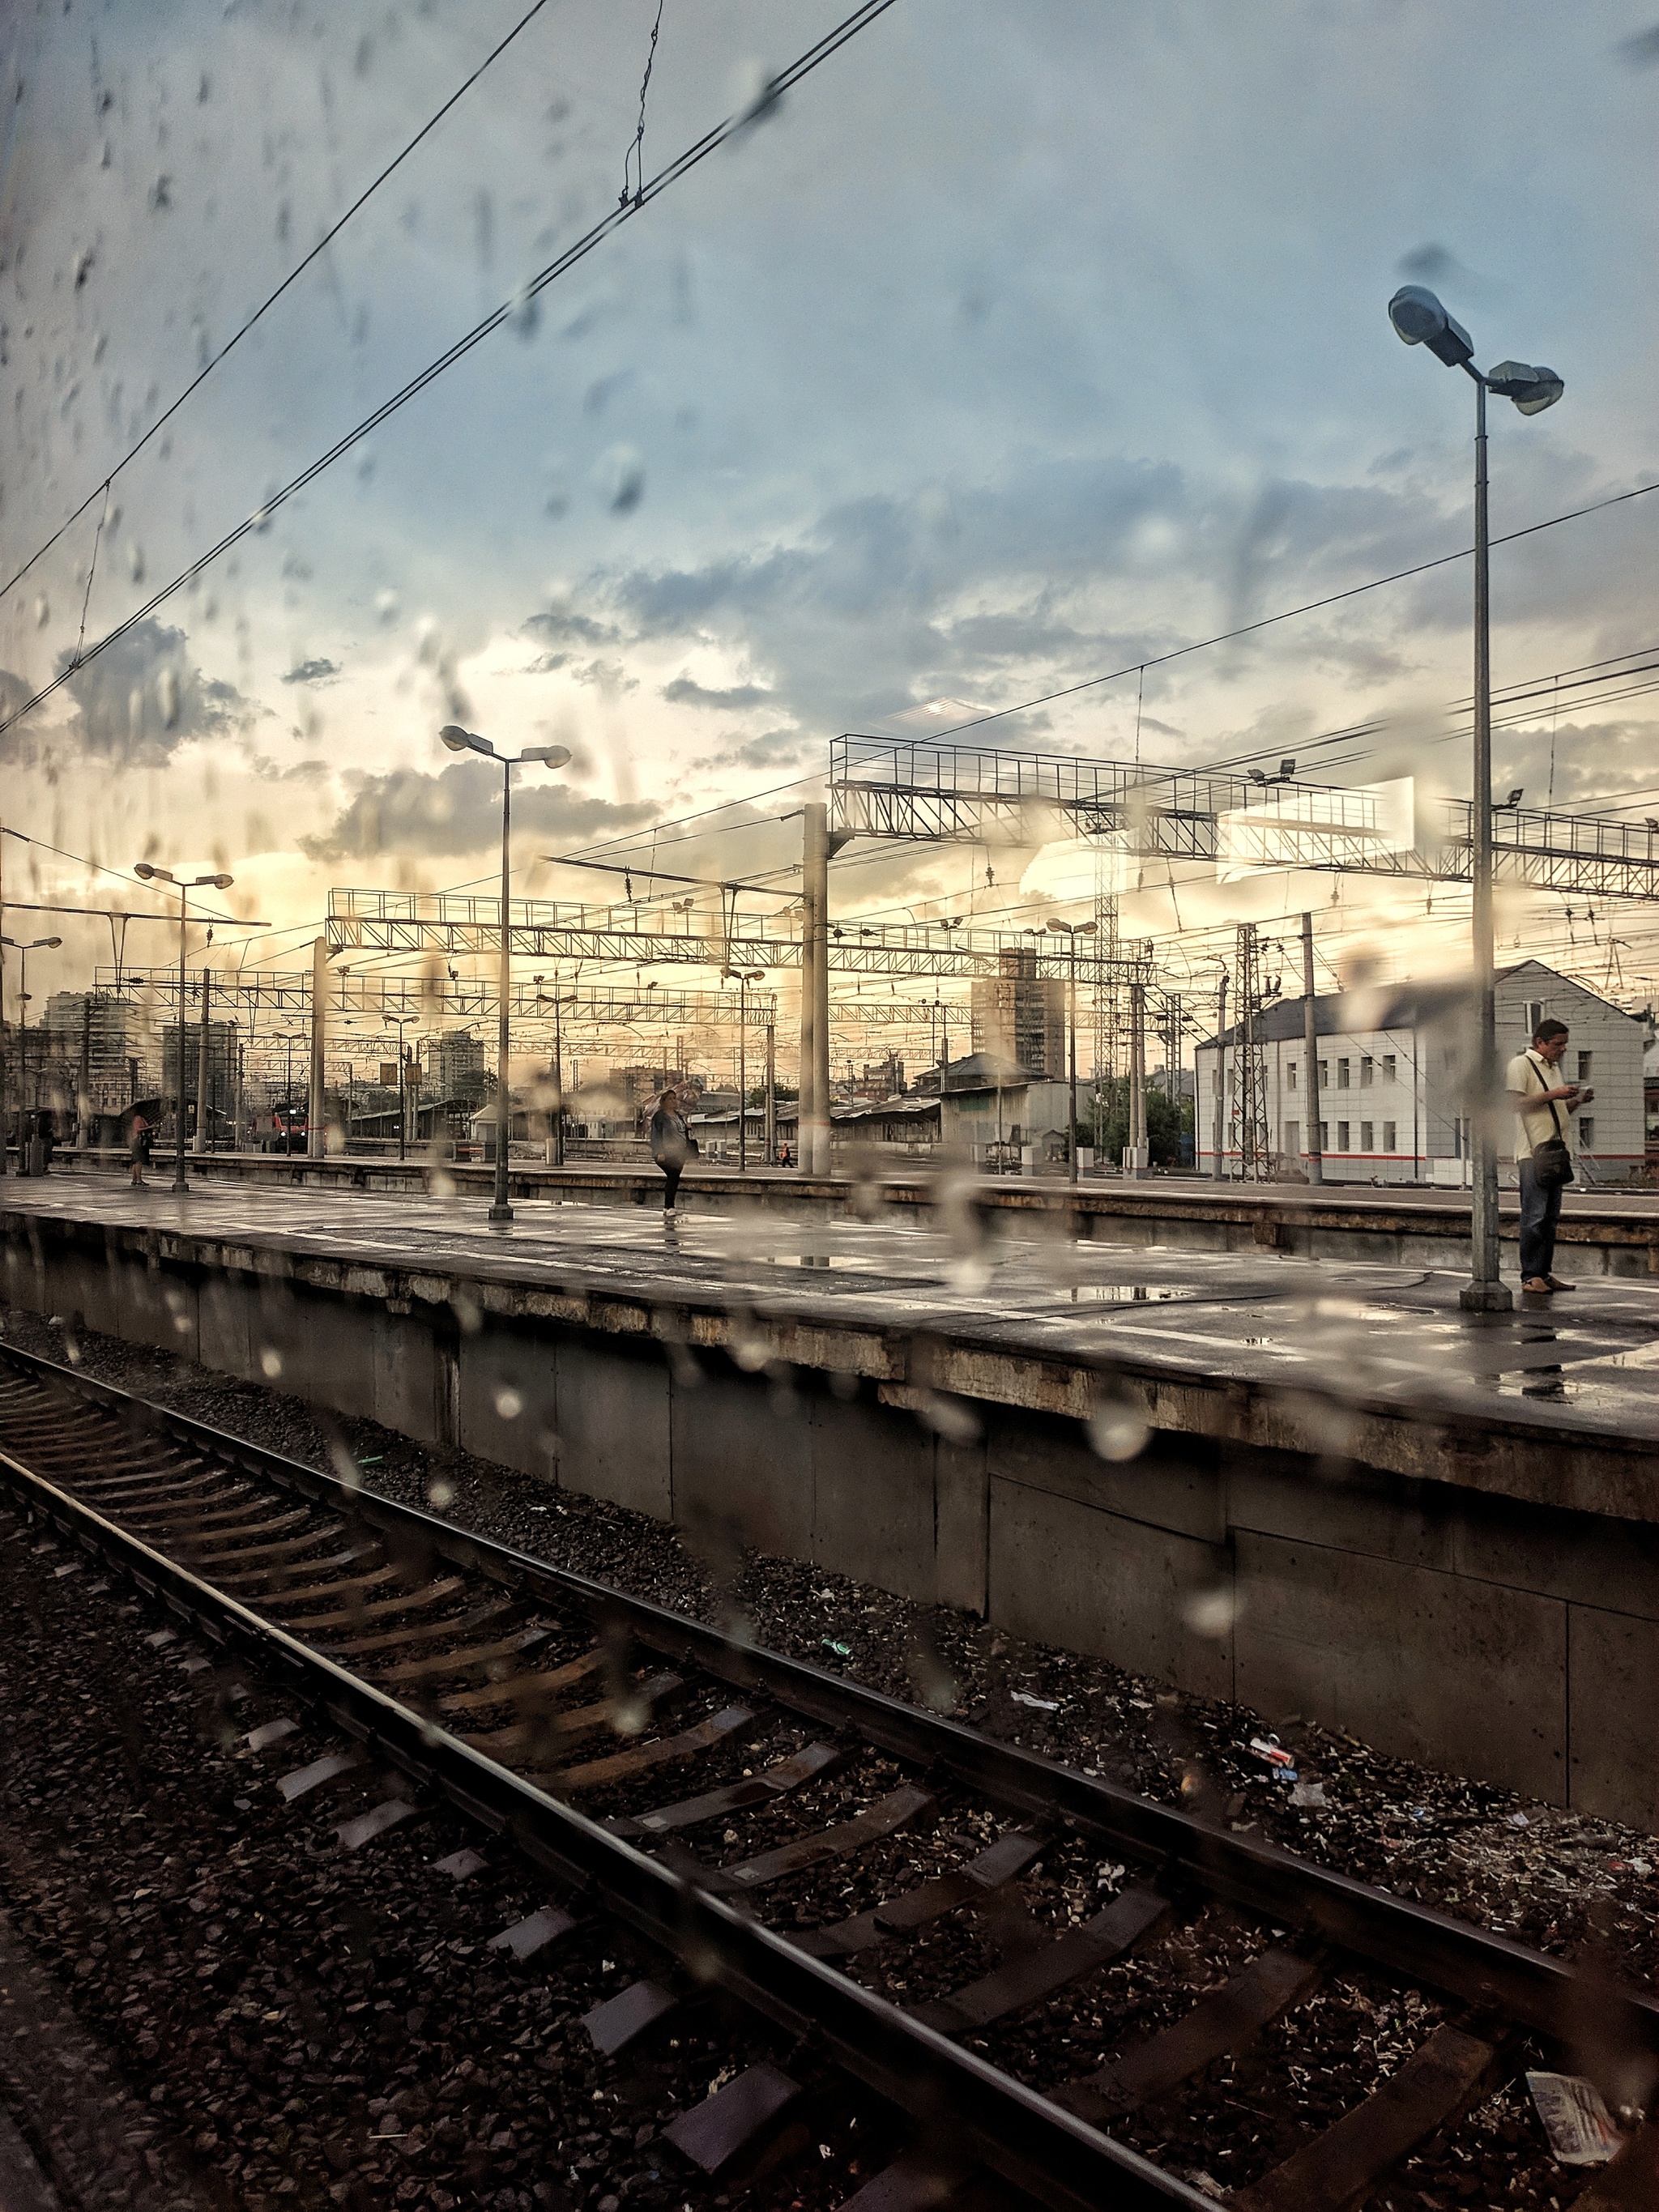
x: 1552, y: 1161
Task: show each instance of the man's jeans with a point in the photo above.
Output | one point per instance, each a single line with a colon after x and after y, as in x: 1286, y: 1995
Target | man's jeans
x: 1540, y: 1209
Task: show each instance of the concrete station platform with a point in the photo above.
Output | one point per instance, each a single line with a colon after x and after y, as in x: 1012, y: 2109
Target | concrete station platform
x: 1612, y: 1231
x: 1312, y: 1486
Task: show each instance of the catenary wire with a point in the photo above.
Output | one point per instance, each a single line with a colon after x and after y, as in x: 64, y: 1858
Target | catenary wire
x: 298, y: 270
x: 1268, y: 621
x: 681, y: 165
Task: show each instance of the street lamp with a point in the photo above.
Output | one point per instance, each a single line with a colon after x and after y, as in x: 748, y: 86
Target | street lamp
x: 743, y: 977
x: 22, y: 950
x: 1071, y: 930
x: 467, y: 741
x: 147, y: 874
x: 1420, y: 319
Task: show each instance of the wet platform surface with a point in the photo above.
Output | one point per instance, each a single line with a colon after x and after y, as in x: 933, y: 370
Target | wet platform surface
x: 1586, y: 1359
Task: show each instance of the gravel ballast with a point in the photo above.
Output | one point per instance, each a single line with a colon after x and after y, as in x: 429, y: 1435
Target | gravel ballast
x: 1579, y: 1887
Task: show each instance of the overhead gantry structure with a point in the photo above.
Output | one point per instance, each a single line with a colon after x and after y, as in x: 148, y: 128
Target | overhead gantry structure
x: 915, y: 790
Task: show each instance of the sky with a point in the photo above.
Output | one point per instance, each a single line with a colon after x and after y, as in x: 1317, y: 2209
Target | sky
x: 1014, y: 346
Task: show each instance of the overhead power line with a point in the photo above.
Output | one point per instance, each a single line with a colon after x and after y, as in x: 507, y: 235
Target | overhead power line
x: 710, y: 143
x: 102, y: 490
x: 1269, y: 621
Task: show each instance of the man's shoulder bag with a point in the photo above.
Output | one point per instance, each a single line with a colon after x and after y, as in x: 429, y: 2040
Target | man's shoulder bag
x: 1552, y: 1160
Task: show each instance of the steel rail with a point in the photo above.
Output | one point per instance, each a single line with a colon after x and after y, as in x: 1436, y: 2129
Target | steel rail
x: 1016, y: 2131
x: 1403, y: 1938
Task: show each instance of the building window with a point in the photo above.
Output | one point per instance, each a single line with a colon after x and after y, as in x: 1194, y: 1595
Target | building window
x: 1324, y: 1073
x: 1367, y: 1073
x: 1390, y: 1142
x: 1587, y: 1130
x: 1324, y: 1136
x: 1343, y: 1072
x: 1584, y: 1060
x: 1368, y: 1136
x: 1342, y: 1136
x: 1390, y: 1068
x: 1290, y: 1073
x: 1534, y: 1014
x: 1293, y: 1138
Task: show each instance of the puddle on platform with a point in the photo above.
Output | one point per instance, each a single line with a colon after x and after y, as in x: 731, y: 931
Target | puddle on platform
x: 862, y: 1262
x: 1124, y: 1294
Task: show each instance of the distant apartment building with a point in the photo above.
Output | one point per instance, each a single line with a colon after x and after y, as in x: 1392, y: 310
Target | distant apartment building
x: 1395, y: 1069
x: 97, y: 1042
x: 455, y: 1067
x: 1018, y: 1015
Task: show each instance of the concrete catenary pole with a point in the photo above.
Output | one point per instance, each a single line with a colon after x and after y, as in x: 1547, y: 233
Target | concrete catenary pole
x: 1315, y: 1147
x: 815, y: 992
x: 317, y: 1135
x: 1220, y: 1114
x: 202, y: 1092
x: 771, y: 1122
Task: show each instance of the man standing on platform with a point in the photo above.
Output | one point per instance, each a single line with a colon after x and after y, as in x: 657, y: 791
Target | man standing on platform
x: 1543, y: 1149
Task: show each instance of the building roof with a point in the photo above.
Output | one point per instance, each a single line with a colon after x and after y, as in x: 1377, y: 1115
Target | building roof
x: 1393, y: 1007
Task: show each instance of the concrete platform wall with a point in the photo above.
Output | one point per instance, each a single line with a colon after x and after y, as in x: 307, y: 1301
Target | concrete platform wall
x: 1513, y: 1642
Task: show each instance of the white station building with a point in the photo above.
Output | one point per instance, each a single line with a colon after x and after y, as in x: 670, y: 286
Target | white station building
x: 1395, y: 1066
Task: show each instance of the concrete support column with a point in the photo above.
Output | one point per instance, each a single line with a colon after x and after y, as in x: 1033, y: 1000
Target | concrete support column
x: 1314, y: 1148
x: 815, y: 992
x: 771, y: 1123
x: 316, y: 1138
x: 202, y: 1088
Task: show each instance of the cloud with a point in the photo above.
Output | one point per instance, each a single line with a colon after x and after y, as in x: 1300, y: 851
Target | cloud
x: 1057, y: 571
x: 457, y: 811
x: 776, y: 749
x: 684, y: 692
x: 311, y: 671
x: 143, y: 697
x: 559, y: 626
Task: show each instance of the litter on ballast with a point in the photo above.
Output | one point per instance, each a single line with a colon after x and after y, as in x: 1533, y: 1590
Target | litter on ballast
x: 1577, y: 2122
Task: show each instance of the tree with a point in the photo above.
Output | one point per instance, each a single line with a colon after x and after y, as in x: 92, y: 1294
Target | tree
x: 1166, y: 1119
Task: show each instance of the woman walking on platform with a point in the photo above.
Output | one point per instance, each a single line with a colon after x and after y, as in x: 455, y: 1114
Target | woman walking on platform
x: 139, y: 1151
x: 670, y: 1147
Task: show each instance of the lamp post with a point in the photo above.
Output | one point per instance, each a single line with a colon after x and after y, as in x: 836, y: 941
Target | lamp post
x: 1420, y: 319
x: 745, y: 978
x: 22, y: 950
x: 147, y: 874
x: 1070, y: 931
x: 463, y: 741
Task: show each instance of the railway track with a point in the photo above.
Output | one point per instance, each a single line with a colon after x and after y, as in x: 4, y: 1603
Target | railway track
x: 916, y: 1909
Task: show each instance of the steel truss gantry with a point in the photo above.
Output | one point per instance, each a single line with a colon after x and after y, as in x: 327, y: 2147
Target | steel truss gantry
x: 377, y: 998
x: 909, y: 789
x: 545, y: 929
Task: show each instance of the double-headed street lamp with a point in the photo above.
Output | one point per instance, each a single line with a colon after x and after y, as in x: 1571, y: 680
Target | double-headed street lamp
x: 22, y: 950
x: 1420, y: 319
x: 1071, y: 930
x: 147, y: 874
x: 467, y: 741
